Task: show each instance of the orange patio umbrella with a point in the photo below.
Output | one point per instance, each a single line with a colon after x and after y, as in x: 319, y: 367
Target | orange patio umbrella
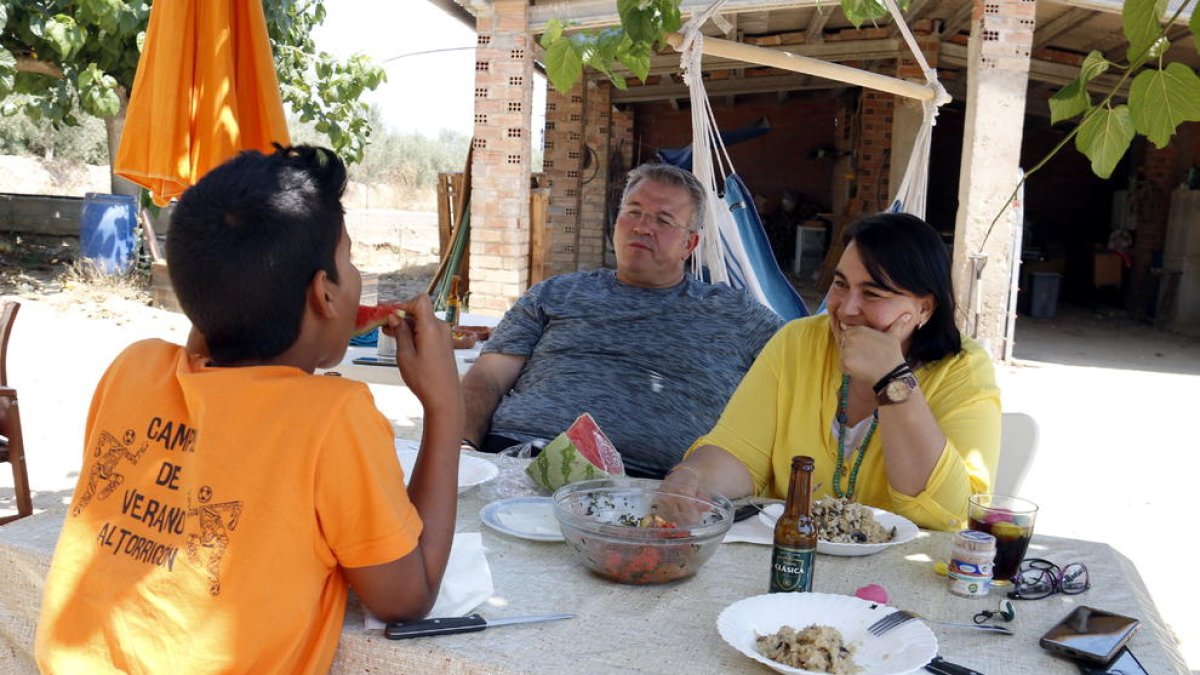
x: 205, y: 89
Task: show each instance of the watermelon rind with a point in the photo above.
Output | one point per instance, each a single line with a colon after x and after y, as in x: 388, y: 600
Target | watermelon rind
x: 561, y: 463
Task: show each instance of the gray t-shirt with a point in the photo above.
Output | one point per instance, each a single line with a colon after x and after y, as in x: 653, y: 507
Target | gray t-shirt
x: 654, y: 367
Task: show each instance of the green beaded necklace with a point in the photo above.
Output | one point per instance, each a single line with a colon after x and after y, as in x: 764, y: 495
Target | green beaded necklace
x: 843, y: 398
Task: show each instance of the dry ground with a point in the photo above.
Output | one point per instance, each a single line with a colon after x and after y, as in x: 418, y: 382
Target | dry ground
x: 1113, y: 399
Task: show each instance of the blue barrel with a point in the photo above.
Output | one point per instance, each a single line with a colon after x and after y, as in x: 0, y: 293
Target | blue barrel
x: 107, y: 231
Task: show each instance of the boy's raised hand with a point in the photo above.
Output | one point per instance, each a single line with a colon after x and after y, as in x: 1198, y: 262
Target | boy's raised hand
x: 424, y: 353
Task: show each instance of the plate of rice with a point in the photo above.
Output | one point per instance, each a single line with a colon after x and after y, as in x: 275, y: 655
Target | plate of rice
x: 851, y: 529
x: 820, y: 633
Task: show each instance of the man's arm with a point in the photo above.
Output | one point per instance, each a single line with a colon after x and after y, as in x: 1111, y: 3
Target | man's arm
x: 485, y: 384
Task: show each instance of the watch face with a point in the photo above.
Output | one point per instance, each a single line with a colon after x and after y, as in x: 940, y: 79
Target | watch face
x: 898, y: 389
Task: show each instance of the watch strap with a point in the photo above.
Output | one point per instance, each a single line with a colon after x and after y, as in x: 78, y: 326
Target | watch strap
x: 897, y: 372
x: 884, y: 398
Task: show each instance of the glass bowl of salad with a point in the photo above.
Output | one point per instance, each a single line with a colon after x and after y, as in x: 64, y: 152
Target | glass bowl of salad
x: 628, y: 531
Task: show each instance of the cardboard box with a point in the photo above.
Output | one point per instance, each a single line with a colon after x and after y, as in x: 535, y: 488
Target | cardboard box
x: 1106, y: 270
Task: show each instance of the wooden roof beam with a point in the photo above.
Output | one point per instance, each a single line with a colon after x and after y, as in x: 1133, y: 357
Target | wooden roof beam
x: 1050, y: 72
x: 849, y: 50
x: 957, y: 21
x: 765, y: 84
x: 1068, y: 20
x: 600, y: 13
x: 1115, y: 6
x: 815, y: 33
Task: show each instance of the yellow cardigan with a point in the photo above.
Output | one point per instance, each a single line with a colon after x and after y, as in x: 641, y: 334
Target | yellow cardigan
x: 786, y: 405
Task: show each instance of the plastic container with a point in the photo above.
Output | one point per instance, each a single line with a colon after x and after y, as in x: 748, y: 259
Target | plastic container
x: 970, y: 569
x: 1044, y: 294
x: 107, y: 232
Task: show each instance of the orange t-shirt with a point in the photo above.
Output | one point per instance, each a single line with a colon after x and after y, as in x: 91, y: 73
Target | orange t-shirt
x: 213, y: 514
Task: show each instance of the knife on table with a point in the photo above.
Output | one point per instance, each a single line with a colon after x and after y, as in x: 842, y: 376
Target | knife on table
x: 940, y: 666
x: 460, y: 624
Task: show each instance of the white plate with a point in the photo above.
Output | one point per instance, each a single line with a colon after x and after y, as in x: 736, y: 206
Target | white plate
x: 903, y: 649
x: 525, y: 517
x: 906, y: 531
x: 471, y: 470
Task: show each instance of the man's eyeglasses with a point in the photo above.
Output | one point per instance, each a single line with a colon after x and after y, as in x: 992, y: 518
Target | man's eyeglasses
x: 1039, y: 578
x: 634, y: 214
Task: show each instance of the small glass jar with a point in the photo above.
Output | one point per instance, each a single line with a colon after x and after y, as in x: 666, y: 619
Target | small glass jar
x: 970, y: 569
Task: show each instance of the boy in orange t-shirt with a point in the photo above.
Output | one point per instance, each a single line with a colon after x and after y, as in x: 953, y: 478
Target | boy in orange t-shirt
x: 228, y: 496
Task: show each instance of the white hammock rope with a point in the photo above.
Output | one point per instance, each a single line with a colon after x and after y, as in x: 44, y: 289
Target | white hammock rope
x: 913, y: 188
x: 719, y: 236
x: 719, y: 239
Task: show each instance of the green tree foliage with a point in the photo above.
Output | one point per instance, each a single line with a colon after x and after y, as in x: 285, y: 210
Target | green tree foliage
x: 68, y: 56
x: 409, y: 160
x: 1162, y: 95
x: 85, y: 142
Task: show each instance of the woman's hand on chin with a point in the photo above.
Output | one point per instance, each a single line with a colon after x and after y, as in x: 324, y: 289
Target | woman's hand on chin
x: 868, y: 354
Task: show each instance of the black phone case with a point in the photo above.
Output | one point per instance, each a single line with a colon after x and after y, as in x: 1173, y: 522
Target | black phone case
x: 1117, y: 642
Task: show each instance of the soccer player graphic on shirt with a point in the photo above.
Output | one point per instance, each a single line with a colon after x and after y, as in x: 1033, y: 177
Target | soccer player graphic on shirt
x: 111, y: 452
x: 215, y: 520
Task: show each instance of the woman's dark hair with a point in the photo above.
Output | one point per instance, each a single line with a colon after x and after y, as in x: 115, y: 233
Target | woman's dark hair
x: 904, y: 253
x: 245, y: 242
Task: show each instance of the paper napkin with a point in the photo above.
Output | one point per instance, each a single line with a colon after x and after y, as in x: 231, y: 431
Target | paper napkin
x: 466, y: 584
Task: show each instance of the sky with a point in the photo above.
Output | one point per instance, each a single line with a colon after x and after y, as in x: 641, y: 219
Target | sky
x: 424, y: 92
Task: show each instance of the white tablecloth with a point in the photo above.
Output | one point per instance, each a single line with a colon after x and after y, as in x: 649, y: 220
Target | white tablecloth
x: 657, y: 629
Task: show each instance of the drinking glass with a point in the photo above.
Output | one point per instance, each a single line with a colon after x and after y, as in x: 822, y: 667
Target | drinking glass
x: 1010, y: 521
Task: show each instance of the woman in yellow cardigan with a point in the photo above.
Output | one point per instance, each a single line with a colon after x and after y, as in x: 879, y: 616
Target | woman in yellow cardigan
x: 897, y: 408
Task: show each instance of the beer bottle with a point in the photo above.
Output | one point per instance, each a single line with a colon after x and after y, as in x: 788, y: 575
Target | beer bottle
x: 453, y: 303
x: 795, y: 533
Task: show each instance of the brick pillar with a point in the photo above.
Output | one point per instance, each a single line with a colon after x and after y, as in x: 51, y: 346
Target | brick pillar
x: 909, y: 113
x: 500, y: 171
x: 597, y: 113
x: 563, y: 159
x: 873, y: 150
x: 620, y: 143
x: 997, y: 80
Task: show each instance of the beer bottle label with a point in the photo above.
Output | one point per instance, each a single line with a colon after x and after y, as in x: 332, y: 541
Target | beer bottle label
x: 791, y: 569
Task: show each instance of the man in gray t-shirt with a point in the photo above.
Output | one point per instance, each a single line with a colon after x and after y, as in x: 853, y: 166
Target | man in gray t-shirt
x: 652, y: 353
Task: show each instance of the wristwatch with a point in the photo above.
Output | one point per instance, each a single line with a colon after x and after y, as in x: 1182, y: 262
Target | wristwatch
x: 896, y: 389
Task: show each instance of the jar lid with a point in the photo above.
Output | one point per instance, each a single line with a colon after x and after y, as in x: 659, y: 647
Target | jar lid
x: 972, y: 540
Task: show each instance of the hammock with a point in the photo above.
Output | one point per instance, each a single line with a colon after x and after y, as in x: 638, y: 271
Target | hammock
x: 733, y: 248
x: 733, y: 245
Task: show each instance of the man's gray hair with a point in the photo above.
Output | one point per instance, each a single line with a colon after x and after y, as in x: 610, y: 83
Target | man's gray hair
x: 667, y: 174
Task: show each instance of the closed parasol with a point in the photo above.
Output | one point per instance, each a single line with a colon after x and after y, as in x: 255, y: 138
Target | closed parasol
x: 205, y: 89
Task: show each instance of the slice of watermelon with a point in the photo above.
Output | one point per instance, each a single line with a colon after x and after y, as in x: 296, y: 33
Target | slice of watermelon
x: 582, y: 452
x: 370, y: 318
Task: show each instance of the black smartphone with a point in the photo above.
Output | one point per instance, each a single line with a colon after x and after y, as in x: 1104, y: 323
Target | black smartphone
x: 1124, y: 664
x: 1089, y: 634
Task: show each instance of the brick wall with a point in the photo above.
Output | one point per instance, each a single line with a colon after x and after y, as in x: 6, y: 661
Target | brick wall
x: 793, y: 155
x: 597, y: 114
x: 873, y: 150
x: 563, y: 159
x: 580, y: 129
x: 500, y: 171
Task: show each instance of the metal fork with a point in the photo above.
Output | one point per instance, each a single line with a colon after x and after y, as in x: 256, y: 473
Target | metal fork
x: 901, y: 617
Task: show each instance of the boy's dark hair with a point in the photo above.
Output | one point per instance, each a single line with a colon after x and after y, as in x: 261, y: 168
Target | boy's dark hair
x: 245, y: 242
x: 904, y: 253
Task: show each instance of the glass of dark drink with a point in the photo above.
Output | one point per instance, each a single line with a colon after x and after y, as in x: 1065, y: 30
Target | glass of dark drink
x: 1010, y: 521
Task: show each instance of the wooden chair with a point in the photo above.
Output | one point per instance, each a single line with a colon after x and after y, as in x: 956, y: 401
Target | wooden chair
x: 12, y: 445
x: 1018, y: 445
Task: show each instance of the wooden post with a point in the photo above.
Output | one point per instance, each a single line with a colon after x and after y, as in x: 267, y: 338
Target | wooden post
x: 539, y: 204
x: 445, y: 209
